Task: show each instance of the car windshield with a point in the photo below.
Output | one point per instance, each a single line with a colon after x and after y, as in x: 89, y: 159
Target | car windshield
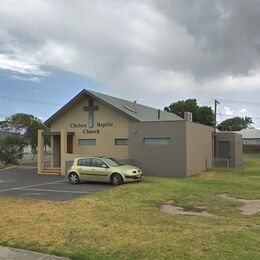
x: 112, y: 162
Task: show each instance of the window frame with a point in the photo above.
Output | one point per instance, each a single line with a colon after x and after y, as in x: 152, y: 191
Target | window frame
x: 121, y: 139
x: 157, y: 138
x: 87, y: 144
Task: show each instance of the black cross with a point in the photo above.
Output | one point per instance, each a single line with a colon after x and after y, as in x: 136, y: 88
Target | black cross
x: 91, y: 108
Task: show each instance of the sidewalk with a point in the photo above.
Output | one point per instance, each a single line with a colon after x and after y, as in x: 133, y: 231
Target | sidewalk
x: 8, y: 253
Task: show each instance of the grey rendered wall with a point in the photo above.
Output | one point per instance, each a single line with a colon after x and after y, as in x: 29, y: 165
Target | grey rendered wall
x: 238, y: 149
x: 159, y: 160
x: 199, y: 148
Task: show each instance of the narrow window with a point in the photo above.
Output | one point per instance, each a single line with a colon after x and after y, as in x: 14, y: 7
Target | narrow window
x: 121, y: 141
x: 70, y: 144
x: 157, y: 141
x: 87, y: 141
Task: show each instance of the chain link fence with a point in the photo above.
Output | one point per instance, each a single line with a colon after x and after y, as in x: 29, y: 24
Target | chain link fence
x: 226, y: 163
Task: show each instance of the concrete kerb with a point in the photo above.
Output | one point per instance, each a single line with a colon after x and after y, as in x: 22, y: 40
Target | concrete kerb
x: 14, y: 253
x: 9, y: 168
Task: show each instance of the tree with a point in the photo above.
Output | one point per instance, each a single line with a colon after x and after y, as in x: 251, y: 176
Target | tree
x: 200, y: 114
x: 235, y: 124
x: 24, y: 125
x: 11, y: 148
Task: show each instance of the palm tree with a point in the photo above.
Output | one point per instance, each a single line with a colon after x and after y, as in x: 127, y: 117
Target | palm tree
x: 247, y: 122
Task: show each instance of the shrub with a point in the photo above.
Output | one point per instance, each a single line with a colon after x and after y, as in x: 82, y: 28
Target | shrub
x: 2, y: 165
x: 11, y: 149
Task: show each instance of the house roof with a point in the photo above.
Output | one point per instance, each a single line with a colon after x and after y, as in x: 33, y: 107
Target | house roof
x: 250, y: 133
x: 135, y: 111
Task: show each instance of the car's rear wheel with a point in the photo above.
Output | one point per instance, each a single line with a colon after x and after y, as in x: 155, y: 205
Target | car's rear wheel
x: 116, y: 179
x: 73, y: 178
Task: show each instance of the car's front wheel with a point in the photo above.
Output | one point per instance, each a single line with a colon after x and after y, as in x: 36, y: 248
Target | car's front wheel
x: 73, y: 178
x: 116, y: 179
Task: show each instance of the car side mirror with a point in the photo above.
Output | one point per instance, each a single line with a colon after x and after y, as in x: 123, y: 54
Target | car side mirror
x: 104, y: 166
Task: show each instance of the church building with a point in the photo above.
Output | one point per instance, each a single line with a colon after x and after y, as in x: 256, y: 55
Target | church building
x: 95, y: 124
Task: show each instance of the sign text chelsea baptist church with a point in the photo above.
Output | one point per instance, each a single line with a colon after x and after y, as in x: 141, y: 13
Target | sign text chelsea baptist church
x: 91, y: 131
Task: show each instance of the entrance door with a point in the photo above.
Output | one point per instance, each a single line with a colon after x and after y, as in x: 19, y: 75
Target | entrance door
x: 224, y: 150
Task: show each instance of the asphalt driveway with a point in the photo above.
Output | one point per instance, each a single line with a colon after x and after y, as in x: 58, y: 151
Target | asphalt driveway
x: 23, y: 182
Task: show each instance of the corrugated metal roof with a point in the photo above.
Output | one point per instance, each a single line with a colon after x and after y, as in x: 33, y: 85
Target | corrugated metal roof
x: 133, y: 110
x: 250, y: 133
x: 136, y: 110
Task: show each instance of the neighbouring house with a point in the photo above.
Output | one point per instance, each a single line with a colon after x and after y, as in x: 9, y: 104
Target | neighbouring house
x: 161, y: 143
x: 251, y: 139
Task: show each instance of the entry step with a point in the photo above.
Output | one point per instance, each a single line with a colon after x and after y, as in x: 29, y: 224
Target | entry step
x: 51, y: 170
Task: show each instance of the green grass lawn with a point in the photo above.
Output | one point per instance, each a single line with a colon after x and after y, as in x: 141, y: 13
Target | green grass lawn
x: 125, y: 222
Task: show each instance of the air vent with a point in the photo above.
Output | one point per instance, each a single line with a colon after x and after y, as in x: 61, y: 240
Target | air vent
x: 188, y: 116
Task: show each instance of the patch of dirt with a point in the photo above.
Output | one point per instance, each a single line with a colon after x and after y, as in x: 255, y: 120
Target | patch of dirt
x: 169, y: 208
x: 250, y: 207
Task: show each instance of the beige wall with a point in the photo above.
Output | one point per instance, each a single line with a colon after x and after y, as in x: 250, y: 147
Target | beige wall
x: 105, y: 139
x: 199, y: 148
x: 236, y: 146
x: 159, y: 160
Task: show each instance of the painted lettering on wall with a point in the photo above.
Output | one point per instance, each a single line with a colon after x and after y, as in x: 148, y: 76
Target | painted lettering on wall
x: 103, y: 125
x: 78, y: 125
x: 90, y: 131
x: 99, y: 124
x: 87, y: 131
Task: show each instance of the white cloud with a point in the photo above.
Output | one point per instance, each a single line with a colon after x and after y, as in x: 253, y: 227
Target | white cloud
x: 21, y: 64
x: 153, y: 51
x: 20, y: 58
x: 228, y: 111
x: 243, y: 110
x: 32, y: 79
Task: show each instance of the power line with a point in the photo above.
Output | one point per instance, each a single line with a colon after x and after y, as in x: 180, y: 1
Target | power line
x: 238, y: 116
x: 27, y: 100
x: 240, y: 102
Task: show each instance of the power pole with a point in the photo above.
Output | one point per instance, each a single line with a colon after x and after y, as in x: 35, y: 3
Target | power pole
x: 215, y: 130
x: 215, y: 113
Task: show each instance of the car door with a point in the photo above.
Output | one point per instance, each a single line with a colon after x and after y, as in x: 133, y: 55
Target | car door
x: 85, y: 169
x: 101, y: 173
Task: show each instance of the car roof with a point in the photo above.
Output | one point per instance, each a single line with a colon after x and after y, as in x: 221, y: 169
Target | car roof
x: 91, y: 157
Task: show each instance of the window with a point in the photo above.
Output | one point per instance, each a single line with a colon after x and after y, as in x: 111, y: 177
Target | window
x: 97, y: 162
x: 70, y: 144
x: 121, y: 141
x: 87, y: 141
x: 84, y: 162
x: 113, y: 162
x: 157, y: 141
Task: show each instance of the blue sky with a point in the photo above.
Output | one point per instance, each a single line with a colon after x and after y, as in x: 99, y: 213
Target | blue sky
x: 155, y: 52
x: 56, y: 89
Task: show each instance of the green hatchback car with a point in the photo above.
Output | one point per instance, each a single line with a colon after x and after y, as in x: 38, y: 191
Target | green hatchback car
x: 102, y: 169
